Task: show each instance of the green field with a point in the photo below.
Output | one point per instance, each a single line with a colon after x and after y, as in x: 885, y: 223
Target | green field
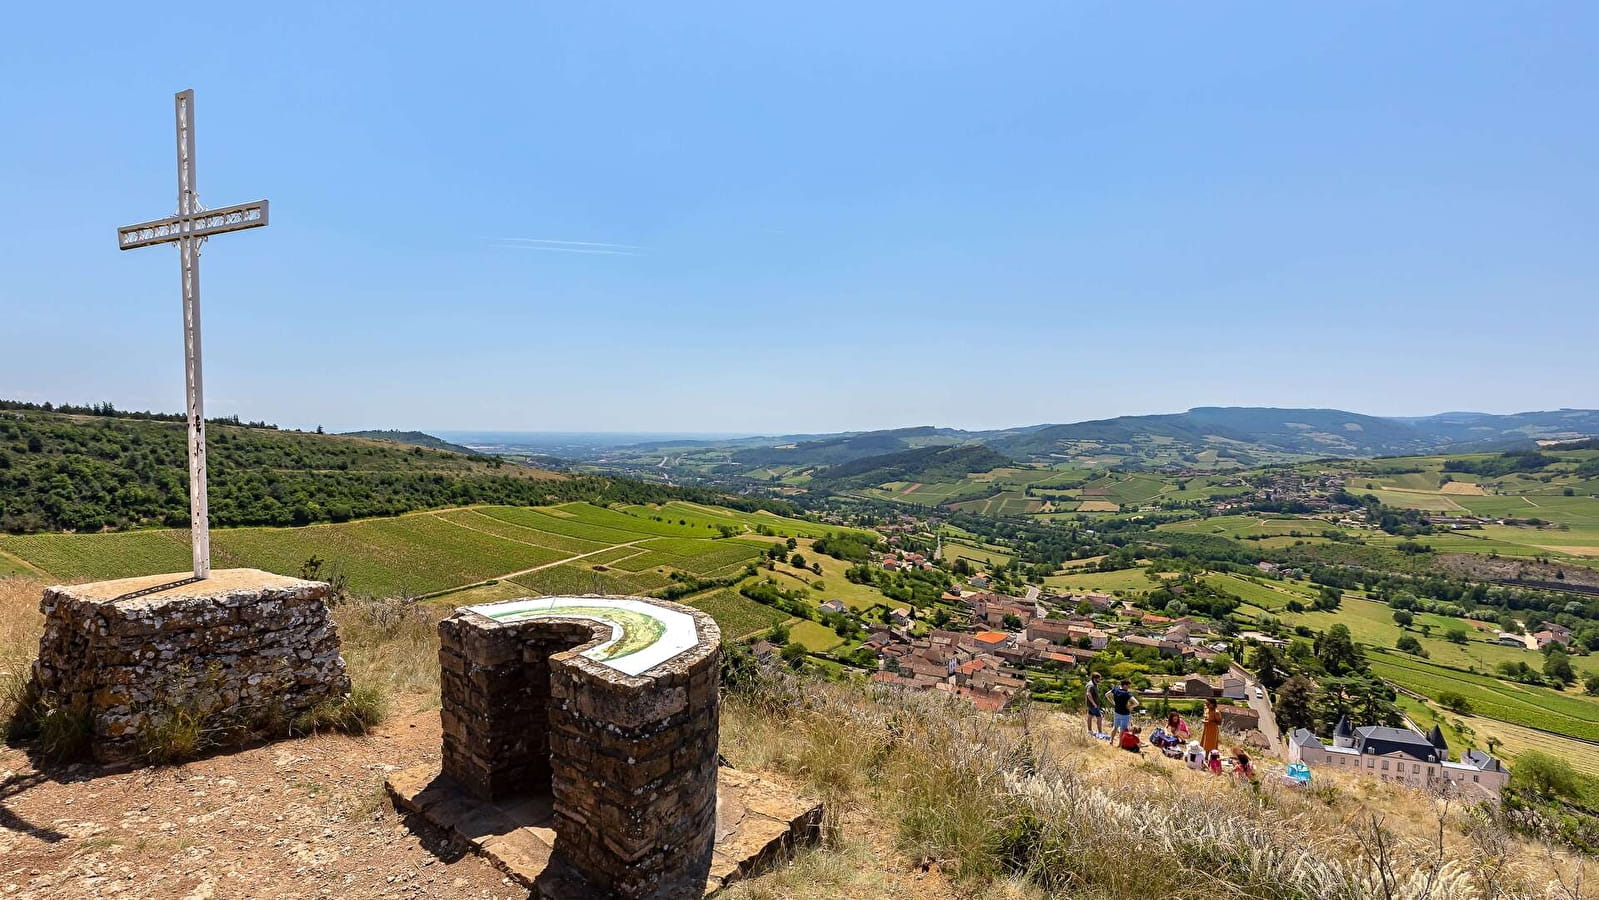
x: 548, y: 550
x: 738, y: 615
x: 984, y: 557
x: 1372, y: 623
x: 816, y: 637
x: 1269, y: 595
x: 1105, y: 582
x: 1531, y: 707
x: 1583, y: 755
x: 837, y: 587
x: 10, y: 565
x: 1240, y: 527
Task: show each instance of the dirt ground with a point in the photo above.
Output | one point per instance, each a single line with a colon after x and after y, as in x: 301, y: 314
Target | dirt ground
x: 296, y: 819
x: 303, y: 819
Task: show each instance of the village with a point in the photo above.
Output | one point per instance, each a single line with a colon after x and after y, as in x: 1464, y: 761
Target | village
x: 997, y: 651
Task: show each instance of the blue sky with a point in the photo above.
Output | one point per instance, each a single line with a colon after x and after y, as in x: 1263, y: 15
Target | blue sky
x: 813, y: 217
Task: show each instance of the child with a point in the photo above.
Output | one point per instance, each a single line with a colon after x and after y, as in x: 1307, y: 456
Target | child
x: 1130, y: 742
x: 1214, y: 763
x: 1241, y: 766
x: 1195, y: 756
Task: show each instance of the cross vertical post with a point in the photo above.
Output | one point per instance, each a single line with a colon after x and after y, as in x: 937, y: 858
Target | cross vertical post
x: 190, y: 228
x: 193, y: 374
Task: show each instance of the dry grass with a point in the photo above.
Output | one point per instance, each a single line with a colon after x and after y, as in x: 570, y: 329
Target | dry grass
x: 391, y: 646
x: 1003, y: 803
x: 20, y: 624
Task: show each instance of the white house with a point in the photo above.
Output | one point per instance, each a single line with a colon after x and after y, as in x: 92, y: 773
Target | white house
x: 1398, y: 755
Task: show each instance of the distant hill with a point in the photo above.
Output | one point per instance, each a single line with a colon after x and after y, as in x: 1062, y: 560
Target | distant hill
x: 847, y: 448
x: 413, y: 439
x: 922, y: 464
x: 1306, y: 432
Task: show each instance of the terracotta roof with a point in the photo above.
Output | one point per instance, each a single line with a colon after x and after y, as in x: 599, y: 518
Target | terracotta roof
x: 990, y: 637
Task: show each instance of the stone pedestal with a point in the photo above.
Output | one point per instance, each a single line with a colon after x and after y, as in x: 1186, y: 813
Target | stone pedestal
x: 246, y: 650
x: 606, y: 706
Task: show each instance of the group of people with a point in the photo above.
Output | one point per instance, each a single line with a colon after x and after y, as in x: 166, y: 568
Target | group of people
x: 1173, y: 738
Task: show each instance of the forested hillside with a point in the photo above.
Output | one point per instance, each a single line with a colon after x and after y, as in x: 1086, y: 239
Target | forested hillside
x: 88, y: 473
x: 929, y: 463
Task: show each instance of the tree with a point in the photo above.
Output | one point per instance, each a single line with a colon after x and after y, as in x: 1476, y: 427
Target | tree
x: 1295, y: 703
x: 1456, y: 634
x: 1455, y: 703
x: 1408, y: 644
x: 1268, y: 666
x: 1012, y: 622
x: 1544, y: 775
x: 791, y: 543
x: 1403, y: 618
x: 1360, y: 698
x: 1590, y: 684
x: 1557, y: 667
x: 1426, y: 629
x: 1338, y: 652
x: 1329, y: 598
x: 794, y: 654
x: 797, y: 561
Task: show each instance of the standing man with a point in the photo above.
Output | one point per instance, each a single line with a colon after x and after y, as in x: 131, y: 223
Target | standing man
x: 1096, y: 705
x: 1122, y: 704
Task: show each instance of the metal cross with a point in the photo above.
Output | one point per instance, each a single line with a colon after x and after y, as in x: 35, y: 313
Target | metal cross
x: 189, y: 229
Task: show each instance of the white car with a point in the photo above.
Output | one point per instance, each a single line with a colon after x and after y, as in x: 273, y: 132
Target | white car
x: 1260, y: 691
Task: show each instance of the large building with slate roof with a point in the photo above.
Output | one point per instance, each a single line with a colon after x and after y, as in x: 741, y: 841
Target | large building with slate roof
x: 1398, y: 755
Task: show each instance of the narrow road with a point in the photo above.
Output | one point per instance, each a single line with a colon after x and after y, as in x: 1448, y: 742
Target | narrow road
x: 1262, y: 705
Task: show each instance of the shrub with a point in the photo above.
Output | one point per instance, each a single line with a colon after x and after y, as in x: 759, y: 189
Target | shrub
x: 358, y: 713
x: 1544, y: 775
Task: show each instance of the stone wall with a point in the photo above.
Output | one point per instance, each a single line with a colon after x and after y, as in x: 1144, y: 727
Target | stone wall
x: 630, y: 760
x: 494, y: 692
x: 245, y: 649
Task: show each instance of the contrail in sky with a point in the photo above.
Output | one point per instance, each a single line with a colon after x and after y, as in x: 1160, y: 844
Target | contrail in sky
x: 554, y: 246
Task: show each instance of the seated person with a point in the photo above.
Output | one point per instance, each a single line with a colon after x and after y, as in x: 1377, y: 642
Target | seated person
x: 1177, y: 727
x: 1241, y: 765
x: 1130, y: 741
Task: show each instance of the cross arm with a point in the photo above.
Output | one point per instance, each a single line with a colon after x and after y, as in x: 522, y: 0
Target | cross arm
x: 204, y: 224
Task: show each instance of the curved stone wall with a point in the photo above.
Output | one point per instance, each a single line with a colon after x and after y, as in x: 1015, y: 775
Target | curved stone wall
x: 537, y: 695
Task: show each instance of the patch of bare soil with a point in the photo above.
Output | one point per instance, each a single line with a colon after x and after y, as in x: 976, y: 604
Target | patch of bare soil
x: 303, y: 818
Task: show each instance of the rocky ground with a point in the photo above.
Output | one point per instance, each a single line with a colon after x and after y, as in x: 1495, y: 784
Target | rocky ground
x: 297, y: 819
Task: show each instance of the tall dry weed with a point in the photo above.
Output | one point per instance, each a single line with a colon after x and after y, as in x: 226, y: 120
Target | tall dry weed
x: 391, y: 646
x: 20, y: 626
x: 997, y: 800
